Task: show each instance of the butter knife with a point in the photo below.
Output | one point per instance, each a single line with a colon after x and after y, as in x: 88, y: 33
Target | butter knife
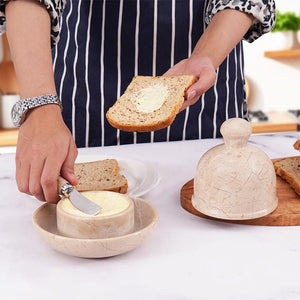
x: 65, y: 189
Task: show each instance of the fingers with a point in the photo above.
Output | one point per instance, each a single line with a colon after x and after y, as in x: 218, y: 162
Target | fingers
x: 205, y: 82
x: 203, y: 70
x: 54, y: 166
x: 60, y: 162
x: 67, y: 169
x: 38, y: 168
x: 37, y: 175
x: 22, y: 174
x: 28, y: 172
x: 45, y: 146
x: 35, y: 187
x: 28, y: 181
x: 49, y: 176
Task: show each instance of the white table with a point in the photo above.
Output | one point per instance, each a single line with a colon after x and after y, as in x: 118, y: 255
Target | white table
x: 186, y: 257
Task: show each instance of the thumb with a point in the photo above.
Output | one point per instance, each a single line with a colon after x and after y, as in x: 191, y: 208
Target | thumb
x: 204, y: 82
x: 197, y: 89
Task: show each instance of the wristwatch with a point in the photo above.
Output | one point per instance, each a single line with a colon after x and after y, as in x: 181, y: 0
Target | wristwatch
x: 21, y: 107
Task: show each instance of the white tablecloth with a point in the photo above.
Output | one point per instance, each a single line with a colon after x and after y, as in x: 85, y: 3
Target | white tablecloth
x: 186, y: 257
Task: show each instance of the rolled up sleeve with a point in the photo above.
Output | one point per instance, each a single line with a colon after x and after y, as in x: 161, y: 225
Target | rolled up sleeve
x: 54, y: 8
x: 263, y: 11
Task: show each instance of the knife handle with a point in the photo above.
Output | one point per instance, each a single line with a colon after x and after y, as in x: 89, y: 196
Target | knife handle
x: 63, y: 186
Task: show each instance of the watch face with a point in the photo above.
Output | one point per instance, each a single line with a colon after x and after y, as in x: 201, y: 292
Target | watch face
x: 16, y: 113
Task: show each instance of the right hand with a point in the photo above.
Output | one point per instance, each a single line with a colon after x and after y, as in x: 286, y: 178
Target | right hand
x: 203, y: 70
x: 45, y: 150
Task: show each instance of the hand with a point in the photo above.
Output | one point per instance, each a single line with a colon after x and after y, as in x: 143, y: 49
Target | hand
x: 203, y: 70
x: 45, y: 149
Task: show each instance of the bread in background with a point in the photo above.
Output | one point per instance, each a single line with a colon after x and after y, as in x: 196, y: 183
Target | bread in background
x: 101, y: 175
x: 289, y: 170
x: 297, y: 145
x: 149, y: 103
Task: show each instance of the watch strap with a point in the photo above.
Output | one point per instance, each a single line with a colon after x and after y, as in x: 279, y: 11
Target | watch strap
x: 22, y: 106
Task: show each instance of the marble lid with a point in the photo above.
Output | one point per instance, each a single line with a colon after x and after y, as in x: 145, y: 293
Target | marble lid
x: 235, y: 180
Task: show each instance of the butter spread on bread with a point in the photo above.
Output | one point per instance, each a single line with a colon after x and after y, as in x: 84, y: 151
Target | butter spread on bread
x: 149, y: 103
x: 151, y: 98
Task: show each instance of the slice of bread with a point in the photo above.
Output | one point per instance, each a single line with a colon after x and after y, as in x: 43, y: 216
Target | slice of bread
x: 149, y: 103
x: 289, y: 170
x: 297, y: 145
x: 101, y: 175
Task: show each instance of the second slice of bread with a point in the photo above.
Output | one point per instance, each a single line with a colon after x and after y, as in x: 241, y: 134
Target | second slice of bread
x: 289, y: 170
x: 125, y: 114
x: 102, y: 175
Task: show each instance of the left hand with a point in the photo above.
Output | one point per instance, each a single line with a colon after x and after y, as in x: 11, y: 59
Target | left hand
x: 203, y: 70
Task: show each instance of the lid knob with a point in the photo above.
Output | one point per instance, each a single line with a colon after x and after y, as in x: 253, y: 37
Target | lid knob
x: 236, y: 132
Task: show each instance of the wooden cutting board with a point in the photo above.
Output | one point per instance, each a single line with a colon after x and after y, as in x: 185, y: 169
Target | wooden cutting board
x: 287, y: 212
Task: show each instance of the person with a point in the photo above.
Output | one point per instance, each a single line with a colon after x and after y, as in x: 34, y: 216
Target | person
x: 97, y: 47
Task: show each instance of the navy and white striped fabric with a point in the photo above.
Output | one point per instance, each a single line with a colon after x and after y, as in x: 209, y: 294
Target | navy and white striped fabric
x: 104, y: 43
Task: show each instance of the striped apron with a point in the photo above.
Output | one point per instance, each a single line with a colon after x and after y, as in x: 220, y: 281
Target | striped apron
x: 104, y: 43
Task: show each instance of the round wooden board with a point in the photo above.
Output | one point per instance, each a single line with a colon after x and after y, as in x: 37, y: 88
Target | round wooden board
x: 287, y: 212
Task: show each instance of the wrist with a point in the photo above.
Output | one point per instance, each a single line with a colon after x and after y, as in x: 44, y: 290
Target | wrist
x: 206, y: 55
x: 22, y: 107
x: 202, y: 61
x: 44, y: 113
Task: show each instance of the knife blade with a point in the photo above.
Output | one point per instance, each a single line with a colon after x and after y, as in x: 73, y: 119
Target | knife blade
x: 65, y: 189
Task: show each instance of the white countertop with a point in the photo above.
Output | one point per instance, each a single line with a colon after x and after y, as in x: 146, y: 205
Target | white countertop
x: 186, y: 257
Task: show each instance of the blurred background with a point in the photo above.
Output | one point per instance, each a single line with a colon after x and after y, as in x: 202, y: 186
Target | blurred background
x: 272, y: 69
x: 274, y: 82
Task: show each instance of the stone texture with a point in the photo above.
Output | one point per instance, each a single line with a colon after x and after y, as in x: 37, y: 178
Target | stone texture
x: 235, y: 180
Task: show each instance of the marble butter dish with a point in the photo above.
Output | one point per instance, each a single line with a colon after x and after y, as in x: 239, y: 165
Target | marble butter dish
x: 116, y: 217
x: 145, y: 221
x: 235, y: 180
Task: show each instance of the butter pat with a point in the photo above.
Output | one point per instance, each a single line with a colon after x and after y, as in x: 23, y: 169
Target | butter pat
x: 151, y: 98
x: 110, y: 203
x: 115, y: 219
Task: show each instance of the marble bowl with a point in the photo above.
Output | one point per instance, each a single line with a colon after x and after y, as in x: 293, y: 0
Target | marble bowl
x: 99, y: 226
x: 145, y: 220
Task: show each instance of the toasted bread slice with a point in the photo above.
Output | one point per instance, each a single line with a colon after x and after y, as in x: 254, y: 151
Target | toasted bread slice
x: 102, y: 175
x: 289, y: 170
x: 149, y: 103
